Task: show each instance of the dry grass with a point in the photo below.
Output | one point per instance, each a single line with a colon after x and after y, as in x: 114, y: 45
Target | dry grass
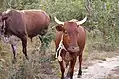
x: 40, y: 66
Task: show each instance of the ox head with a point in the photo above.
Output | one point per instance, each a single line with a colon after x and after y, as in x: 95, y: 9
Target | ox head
x: 1, y: 23
x: 70, y: 33
x: 3, y: 18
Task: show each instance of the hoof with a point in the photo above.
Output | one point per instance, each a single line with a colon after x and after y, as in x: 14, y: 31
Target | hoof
x: 27, y: 57
x: 14, y: 61
x: 67, y: 78
x: 79, y: 76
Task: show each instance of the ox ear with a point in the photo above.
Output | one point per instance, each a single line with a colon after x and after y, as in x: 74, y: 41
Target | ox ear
x: 59, y: 27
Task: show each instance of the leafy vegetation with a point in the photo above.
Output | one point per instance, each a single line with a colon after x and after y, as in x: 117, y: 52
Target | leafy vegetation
x: 102, y: 24
x: 102, y: 14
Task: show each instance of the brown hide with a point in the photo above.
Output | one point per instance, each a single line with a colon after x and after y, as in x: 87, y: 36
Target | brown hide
x: 36, y: 22
x: 80, y: 38
x: 27, y: 22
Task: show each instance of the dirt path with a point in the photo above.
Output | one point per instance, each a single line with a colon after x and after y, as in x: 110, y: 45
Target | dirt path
x: 100, y: 69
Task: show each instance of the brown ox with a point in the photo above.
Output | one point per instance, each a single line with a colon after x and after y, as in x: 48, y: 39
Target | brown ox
x: 70, y: 42
x: 23, y: 24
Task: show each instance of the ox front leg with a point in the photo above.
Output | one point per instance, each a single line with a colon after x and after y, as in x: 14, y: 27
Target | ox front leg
x: 14, y: 53
x: 80, y: 70
x: 24, y: 45
x: 71, y: 69
x: 62, y: 69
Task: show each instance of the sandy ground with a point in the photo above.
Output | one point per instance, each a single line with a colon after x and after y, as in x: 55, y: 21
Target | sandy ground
x: 99, y: 65
x: 101, y: 69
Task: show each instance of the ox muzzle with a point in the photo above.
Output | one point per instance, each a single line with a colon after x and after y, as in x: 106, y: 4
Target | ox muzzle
x: 73, y: 49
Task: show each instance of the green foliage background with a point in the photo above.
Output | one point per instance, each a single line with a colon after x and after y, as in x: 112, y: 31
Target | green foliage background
x: 102, y: 26
x: 102, y: 15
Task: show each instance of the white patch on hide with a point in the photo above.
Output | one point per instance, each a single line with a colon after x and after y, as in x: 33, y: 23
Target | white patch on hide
x: 11, y: 39
x: 15, y: 48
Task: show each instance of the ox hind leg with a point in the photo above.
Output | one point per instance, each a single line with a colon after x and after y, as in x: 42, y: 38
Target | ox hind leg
x: 71, y: 69
x: 80, y: 62
x: 42, y: 48
x: 24, y: 45
x: 14, y: 53
x: 62, y: 68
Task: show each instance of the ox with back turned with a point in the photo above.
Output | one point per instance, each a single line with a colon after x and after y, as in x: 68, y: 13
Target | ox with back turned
x: 23, y: 24
x: 70, y: 43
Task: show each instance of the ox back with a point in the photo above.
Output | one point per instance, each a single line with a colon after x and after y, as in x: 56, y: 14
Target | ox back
x: 27, y: 22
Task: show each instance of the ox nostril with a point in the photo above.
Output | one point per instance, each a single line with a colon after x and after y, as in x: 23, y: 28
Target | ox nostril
x: 72, y: 47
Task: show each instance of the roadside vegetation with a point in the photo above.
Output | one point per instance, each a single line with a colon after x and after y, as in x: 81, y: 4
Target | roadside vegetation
x: 102, y: 35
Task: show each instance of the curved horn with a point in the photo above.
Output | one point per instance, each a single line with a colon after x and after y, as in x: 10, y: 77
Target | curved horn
x: 82, y: 21
x: 57, y: 21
